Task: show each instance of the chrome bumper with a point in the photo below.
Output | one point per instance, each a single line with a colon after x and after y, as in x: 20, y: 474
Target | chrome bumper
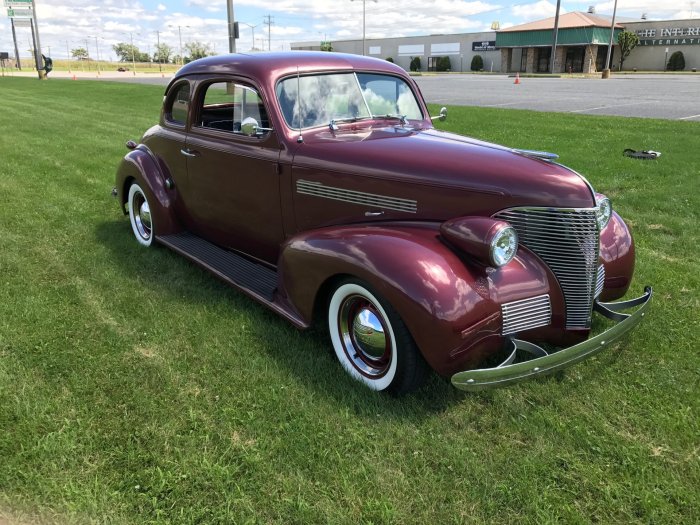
x: 544, y: 363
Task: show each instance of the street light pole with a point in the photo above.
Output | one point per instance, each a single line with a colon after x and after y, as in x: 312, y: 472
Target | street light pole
x: 252, y: 33
x: 160, y: 58
x: 364, y: 18
x: 133, y: 59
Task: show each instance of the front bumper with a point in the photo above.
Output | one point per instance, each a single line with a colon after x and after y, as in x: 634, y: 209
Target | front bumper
x: 544, y: 363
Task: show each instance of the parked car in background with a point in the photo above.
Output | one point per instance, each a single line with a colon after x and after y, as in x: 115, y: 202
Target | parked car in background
x: 317, y: 184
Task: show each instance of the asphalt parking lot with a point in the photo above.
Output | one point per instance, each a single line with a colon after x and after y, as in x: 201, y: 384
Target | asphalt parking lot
x: 675, y: 97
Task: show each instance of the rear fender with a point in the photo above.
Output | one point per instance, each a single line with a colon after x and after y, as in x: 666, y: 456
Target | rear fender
x: 141, y: 166
x: 447, y: 304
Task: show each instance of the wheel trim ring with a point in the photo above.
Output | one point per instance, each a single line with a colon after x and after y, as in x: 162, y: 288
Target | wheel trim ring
x: 143, y: 226
x: 369, y: 367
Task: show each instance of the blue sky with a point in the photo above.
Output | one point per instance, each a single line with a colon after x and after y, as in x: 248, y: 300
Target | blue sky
x: 66, y: 25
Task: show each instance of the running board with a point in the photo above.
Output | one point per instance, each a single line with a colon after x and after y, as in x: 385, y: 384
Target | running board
x: 251, y: 277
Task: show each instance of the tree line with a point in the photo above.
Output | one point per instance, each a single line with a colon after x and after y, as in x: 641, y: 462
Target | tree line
x: 163, y: 54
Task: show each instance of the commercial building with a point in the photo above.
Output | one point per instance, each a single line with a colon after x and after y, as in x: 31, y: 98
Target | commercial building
x: 582, y: 44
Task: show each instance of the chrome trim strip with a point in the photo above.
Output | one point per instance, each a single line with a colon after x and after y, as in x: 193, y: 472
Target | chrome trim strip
x: 525, y: 314
x: 600, y: 281
x: 318, y: 189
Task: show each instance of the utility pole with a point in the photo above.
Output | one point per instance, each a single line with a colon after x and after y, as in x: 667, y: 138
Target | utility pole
x: 133, y: 59
x: 364, y: 18
x: 87, y: 52
x: 554, y: 42
x: 606, y: 70
x: 270, y: 20
x: 231, y: 20
x: 37, y: 44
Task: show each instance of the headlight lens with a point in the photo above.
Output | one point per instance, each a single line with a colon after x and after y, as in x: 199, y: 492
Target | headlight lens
x: 603, y: 211
x: 503, y: 246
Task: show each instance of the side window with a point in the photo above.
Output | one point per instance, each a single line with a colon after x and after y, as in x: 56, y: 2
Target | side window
x: 176, y: 111
x: 226, y: 105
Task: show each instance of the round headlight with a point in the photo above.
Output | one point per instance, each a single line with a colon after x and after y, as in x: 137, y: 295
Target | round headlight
x: 603, y: 211
x: 503, y: 246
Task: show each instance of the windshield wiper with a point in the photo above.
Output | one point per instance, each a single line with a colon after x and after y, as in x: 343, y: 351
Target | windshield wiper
x: 390, y: 116
x: 333, y: 124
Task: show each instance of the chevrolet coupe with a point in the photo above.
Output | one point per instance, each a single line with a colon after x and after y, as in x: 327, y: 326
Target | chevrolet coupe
x: 317, y: 184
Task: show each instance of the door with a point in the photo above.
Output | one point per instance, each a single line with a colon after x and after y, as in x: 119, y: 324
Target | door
x: 233, y: 190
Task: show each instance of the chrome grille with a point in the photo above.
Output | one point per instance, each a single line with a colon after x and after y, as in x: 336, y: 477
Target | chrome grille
x: 526, y: 314
x: 600, y: 281
x: 567, y: 241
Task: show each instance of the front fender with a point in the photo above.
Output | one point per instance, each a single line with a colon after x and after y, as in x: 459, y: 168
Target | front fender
x: 141, y: 166
x: 451, y: 307
x: 617, y: 255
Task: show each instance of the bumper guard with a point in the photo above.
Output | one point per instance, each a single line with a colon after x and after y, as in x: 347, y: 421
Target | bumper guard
x: 544, y: 363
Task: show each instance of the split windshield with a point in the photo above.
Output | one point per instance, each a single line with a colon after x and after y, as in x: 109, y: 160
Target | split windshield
x: 316, y: 100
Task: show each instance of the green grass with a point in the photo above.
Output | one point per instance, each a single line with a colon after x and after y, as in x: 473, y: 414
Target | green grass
x: 135, y: 388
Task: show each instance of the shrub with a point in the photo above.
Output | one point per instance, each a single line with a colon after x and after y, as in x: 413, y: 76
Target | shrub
x: 676, y: 62
x: 415, y: 64
x: 443, y: 64
x: 389, y: 59
x: 477, y: 63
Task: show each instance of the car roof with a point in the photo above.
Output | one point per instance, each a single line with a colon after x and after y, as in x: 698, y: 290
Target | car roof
x: 271, y: 66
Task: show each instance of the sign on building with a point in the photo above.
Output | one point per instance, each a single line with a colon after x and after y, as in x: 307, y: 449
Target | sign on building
x: 486, y: 45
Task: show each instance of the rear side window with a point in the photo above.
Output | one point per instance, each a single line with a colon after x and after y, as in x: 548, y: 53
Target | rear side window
x: 227, y: 104
x: 176, y: 110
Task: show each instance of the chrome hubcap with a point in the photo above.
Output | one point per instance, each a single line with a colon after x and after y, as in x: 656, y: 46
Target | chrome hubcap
x: 142, y: 216
x: 364, y: 335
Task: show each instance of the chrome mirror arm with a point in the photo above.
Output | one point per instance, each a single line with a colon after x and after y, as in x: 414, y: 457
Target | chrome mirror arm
x: 442, y: 116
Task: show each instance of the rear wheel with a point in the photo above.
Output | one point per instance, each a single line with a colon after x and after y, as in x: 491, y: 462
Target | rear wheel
x: 372, y: 342
x: 140, y: 215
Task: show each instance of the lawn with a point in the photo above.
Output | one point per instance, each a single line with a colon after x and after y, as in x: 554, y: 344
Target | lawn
x: 135, y: 388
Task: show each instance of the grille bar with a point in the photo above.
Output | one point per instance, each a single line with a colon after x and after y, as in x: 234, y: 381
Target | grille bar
x: 526, y: 314
x: 567, y: 240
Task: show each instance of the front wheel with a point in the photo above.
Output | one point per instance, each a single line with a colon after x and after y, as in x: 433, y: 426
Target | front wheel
x: 371, y: 341
x: 140, y: 215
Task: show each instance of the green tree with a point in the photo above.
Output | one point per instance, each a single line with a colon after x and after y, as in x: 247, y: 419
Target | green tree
x: 627, y: 40
x: 443, y: 64
x: 477, y: 63
x: 326, y: 46
x: 415, y: 64
x: 197, y: 50
x: 79, y: 53
x: 389, y: 59
x: 127, y: 53
x: 676, y: 62
x: 163, y: 53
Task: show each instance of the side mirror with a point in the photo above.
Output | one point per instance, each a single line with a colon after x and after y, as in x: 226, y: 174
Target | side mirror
x: 442, y: 116
x: 251, y: 128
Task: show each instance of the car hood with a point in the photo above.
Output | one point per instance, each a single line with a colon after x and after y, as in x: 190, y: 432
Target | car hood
x: 445, y: 160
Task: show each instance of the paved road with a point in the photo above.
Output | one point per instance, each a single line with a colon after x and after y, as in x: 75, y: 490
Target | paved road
x: 675, y: 97
x: 654, y: 96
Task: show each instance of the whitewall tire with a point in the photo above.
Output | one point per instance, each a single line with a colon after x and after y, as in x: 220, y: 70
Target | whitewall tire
x: 140, y: 215
x: 371, y: 341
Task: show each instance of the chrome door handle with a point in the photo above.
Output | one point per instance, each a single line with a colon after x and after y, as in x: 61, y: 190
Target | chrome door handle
x: 189, y: 153
x: 373, y: 213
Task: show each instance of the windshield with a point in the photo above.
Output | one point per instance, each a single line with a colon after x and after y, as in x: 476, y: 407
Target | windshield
x: 344, y: 97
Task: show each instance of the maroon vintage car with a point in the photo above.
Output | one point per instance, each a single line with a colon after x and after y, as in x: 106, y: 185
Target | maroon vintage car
x: 316, y: 184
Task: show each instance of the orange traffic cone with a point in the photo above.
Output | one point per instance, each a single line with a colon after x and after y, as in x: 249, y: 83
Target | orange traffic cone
x: 517, y: 78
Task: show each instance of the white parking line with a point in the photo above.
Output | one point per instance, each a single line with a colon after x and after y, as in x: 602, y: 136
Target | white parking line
x: 606, y: 107
x: 691, y: 116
